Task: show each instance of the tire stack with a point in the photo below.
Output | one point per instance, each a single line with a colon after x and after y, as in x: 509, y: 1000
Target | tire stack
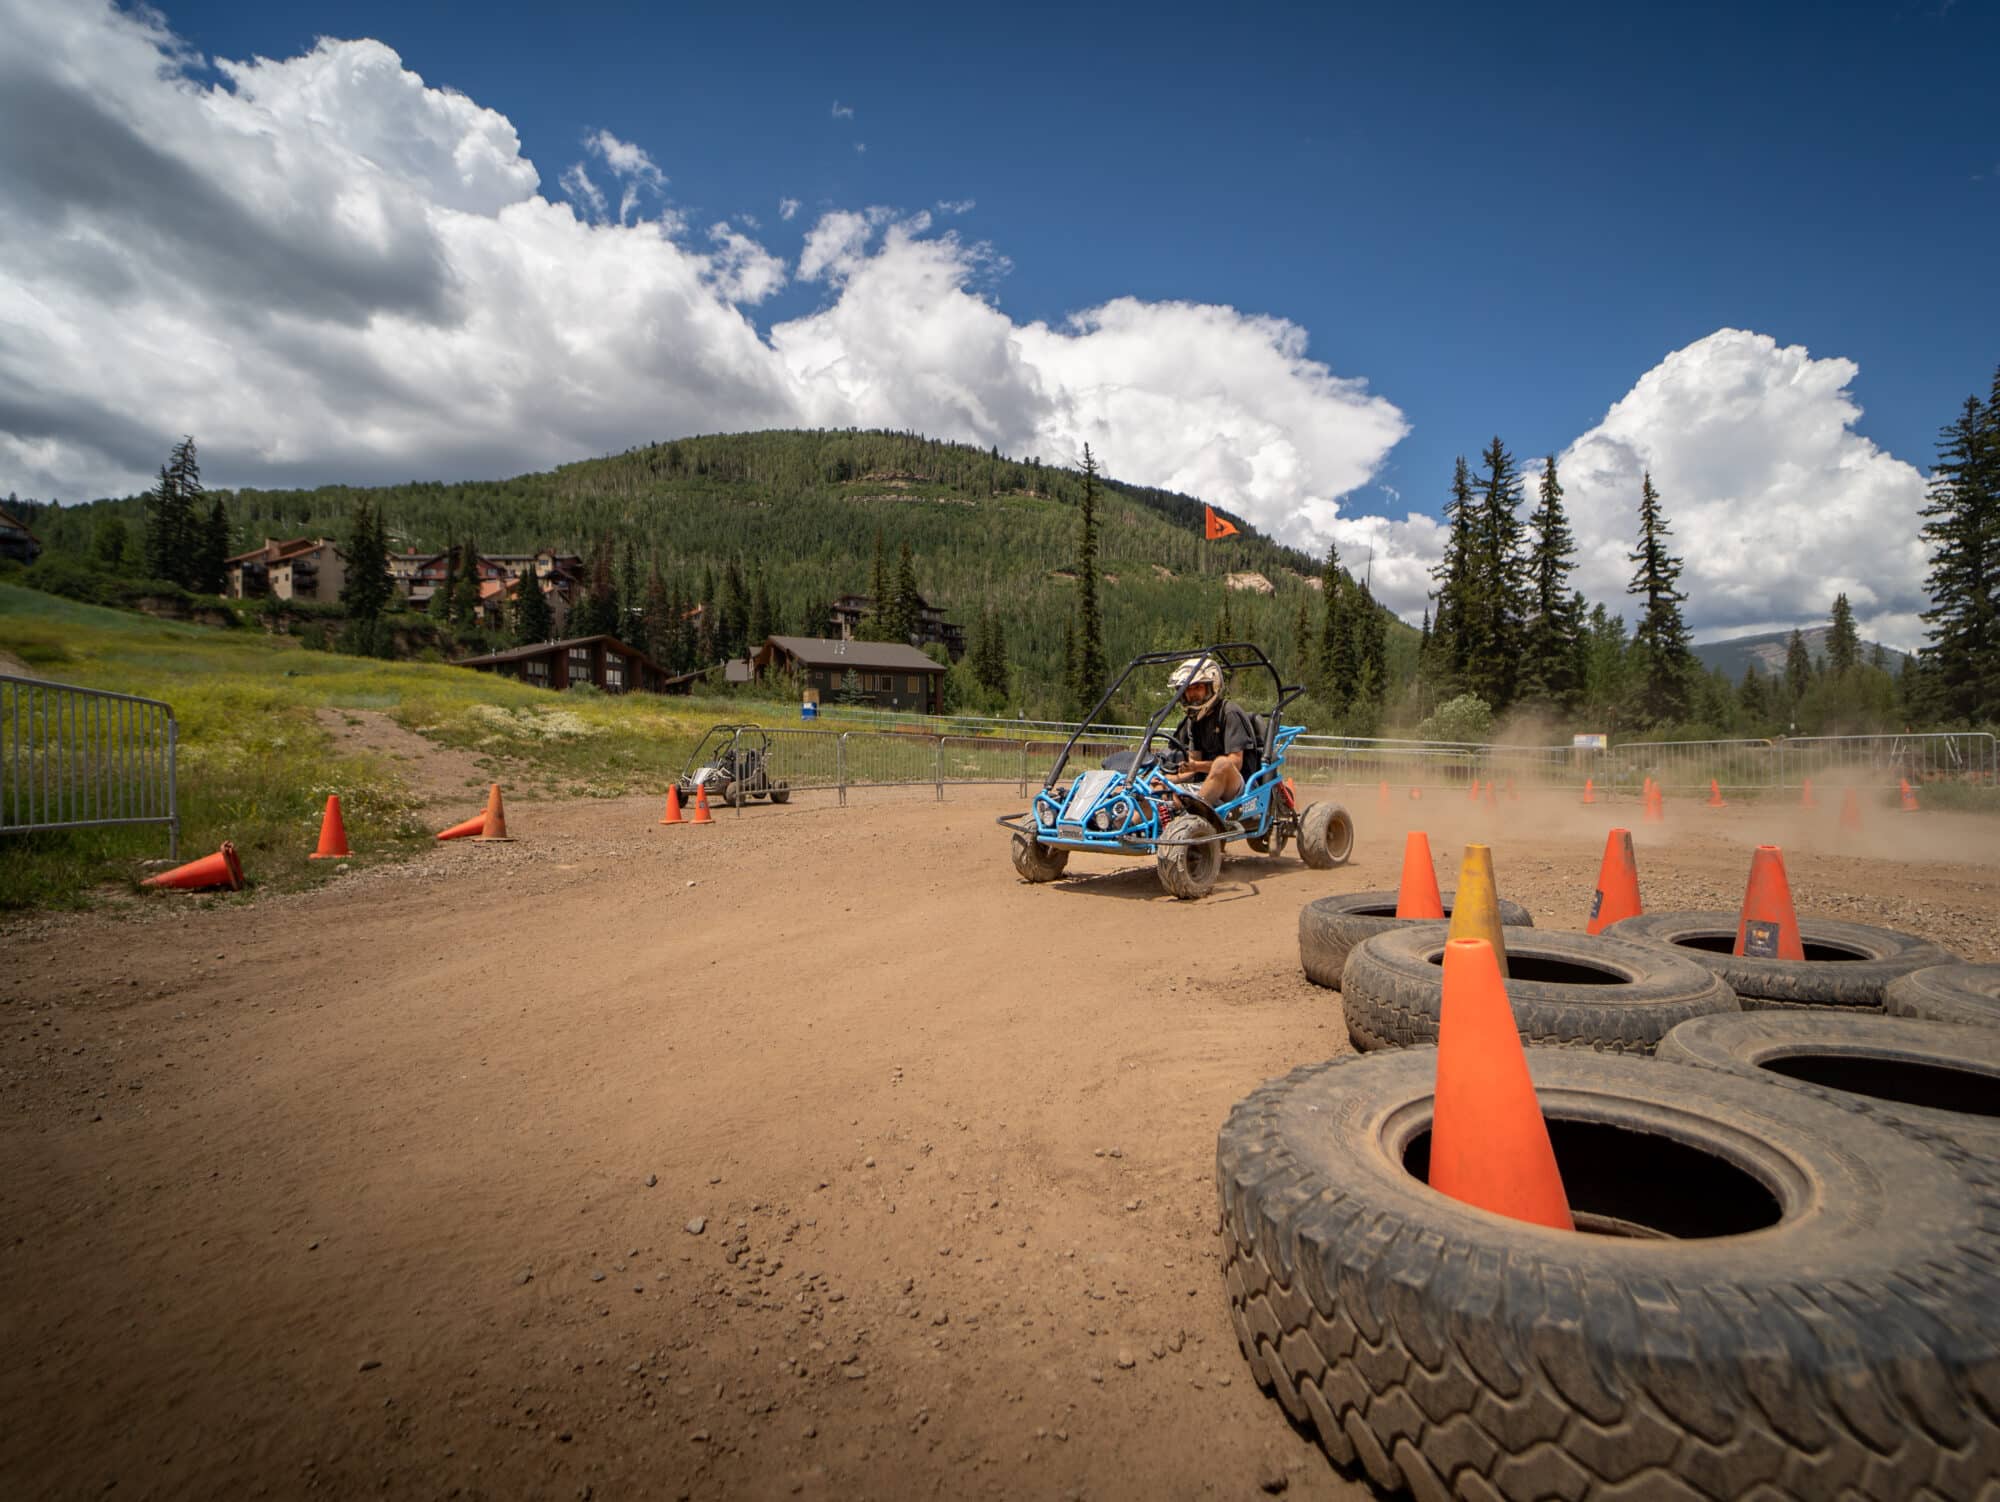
x: 1785, y: 1278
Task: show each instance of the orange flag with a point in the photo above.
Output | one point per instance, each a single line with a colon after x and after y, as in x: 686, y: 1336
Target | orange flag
x: 1218, y: 527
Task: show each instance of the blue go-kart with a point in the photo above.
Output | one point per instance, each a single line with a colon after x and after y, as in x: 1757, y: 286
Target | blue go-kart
x: 1132, y: 805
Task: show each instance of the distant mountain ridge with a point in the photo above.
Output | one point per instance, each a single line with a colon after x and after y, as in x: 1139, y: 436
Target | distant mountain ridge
x: 1766, y: 652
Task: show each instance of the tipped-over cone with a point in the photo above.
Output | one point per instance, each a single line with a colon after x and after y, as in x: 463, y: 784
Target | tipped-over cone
x: 1475, y: 909
x: 673, y: 813
x: 1489, y: 1144
x: 1417, y: 895
x: 1617, y: 894
x: 472, y: 826
x: 1769, y: 927
x: 332, y: 833
x: 221, y: 869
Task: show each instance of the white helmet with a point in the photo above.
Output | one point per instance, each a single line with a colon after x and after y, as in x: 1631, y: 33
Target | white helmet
x: 1198, y: 670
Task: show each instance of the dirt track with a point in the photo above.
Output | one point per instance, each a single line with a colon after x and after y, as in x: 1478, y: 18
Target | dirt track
x: 349, y: 1191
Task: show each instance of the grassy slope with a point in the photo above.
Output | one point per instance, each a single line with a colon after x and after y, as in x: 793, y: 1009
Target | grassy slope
x: 256, y: 765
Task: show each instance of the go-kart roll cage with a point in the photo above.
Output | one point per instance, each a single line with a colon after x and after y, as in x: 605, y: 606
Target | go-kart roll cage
x: 1229, y: 656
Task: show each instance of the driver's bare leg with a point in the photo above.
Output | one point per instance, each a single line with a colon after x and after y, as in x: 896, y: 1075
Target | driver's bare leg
x: 1223, y: 782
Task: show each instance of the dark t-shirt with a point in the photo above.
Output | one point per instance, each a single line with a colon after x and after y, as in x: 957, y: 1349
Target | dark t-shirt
x: 1225, y: 730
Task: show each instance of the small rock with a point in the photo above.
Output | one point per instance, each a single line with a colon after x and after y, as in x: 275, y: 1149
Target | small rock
x: 700, y: 1436
x: 1271, y: 1476
x: 1125, y: 1361
x: 696, y: 1226
x: 867, y: 1162
x: 525, y: 1276
x: 370, y: 1364
x: 652, y: 1179
x: 597, y: 1277
x: 941, y: 1318
x: 690, y: 883
x: 1131, y: 1204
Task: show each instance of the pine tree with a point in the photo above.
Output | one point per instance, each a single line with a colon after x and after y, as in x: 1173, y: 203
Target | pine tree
x: 169, y: 527
x: 1843, y: 644
x: 1496, y: 596
x: 444, y: 594
x: 1549, y: 656
x: 1224, y: 628
x: 1607, y: 649
x: 762, y: 622
x: 1798, y: 668
x: 1660, y: 658
x: 631, y: 593
x: 468, y: 590
x: 734, y: 603
x: 1752, y: 698
x: 212, y: 566
x: 533, y: 620
x: 877, y: 624
x: 1302, y: 646
x: 907, y: 613
x: 1340, y: 662
x: 110, y: 543
x: 1450, y: 634
x: 990, y: 666
x: 1091, y: 667
x: 366, y: 589
x: 1962, y: 659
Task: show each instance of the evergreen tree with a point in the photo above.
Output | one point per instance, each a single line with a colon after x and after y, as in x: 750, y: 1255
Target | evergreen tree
x: 1091, y: 667
x: 1843, y: 643
x: 1606, y: 678
x: 1878, y: 658
x: 762, y: 623
x: 1069, y: 660
x: 1661, y: 661
x: 1798, y: 668
x: 444, y: 595
x: 1495, y: 595
x: 1340, y: 661
x: 878, y: 625
x: 169, y: 530
x: 110, y: 543
x: 1962, y: 659
x: 1451, y: 629
x: 1550, y: 657
x: 990, y: 662
x: 1302, y: 647
x: 468, y: 588
x: 1224, y: 628
x: 734, y: 603
x: 533, y: 620
x: 212, y: 556
x: 707, y: 632
x: 1371, y: 644
x: 631, y: 594
x: 366, y: 589
x: 909, y: 608
x: 1752, y: 698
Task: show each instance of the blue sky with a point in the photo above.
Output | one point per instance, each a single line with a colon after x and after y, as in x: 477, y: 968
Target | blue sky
x: 1498, y: 214
x: 1311, y: 253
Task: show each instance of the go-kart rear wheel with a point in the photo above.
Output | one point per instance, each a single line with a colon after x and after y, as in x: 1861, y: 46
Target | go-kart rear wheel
x: 1326, y: 836
x: 1189, y: 870
x: 1037, y: 862
x: 782, y: 793
x: 732, y: 794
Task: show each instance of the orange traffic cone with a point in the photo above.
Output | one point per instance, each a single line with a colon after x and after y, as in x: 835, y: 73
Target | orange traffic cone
x: 1383, y: 796
x: 1715, y: 794
x: 332, y: 833
x: 1417, y: 895
x: 1489, y: 1144
x: 221, y: 869
x: 1656, y: 806
x: 1769, y: 928
x: 701, y: 813
x: 673, y: 813
x: 1617, y: 893
x: 1806, y: 799
x: 1909, y: 796
x: 1472, y: 793
x: 472, y: 826
x: 496, y: 818
x: 1850, y: 811
x: 1416, y: 793
x: 1590, y: 790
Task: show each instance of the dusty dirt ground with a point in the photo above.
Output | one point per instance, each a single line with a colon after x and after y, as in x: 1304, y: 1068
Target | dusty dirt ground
x: 808, y: 1153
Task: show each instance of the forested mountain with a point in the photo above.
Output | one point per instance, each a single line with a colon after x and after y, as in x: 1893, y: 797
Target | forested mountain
x: 1766, y: 652
x: 804, y: 509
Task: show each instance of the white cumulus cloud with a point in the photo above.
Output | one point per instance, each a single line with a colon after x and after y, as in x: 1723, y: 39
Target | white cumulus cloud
x: 787, y: 207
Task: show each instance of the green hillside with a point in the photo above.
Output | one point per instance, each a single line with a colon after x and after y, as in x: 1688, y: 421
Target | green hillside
x: 804, y: 508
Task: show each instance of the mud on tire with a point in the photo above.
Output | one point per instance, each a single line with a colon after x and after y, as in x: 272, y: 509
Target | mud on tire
x: 1186, y: 870
x: 1330, y: 926
x: 1037, y: 862
x: 1565, y: 988
x: 1947, y: 993
x: 1846, y: 964
x: 1937, y: 1077
x: 1454, y: 1353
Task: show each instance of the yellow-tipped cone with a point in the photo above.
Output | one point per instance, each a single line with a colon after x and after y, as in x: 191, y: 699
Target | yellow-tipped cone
x: 1475, y: 911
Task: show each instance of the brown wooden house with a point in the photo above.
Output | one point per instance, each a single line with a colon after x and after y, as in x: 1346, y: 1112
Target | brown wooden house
x: 16, y: 541
x: 888, y: 674
x: 603, y: 661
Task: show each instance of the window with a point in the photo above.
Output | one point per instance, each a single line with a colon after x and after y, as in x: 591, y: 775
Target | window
x: 916, y: 685
x: 614, y: 674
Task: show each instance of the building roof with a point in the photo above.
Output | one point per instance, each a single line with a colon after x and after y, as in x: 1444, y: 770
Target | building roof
x: 9, y: 519
x: 863, y: 656
x: 542, y: 648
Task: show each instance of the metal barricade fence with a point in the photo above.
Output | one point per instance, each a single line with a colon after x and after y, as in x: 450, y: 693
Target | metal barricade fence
x: 82, y: 758
x: 1686, y: 767
x: 1970, y: 757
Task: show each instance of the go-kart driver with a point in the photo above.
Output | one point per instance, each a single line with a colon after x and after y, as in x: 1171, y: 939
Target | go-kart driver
x: 1220, y: 741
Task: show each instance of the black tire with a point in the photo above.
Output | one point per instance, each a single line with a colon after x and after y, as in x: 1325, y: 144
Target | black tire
x: 1326, y: 836
x: 782, y: 793
x: 1846, y: 964
x: 732, y: 794
x: 1947, y: 993
x: 1393, y: 988
x: 1037, y: 862
x: 1330, y: 926
x: 1850, y: 1348
x: 1941, y: 1078
x: 1189, y: 871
